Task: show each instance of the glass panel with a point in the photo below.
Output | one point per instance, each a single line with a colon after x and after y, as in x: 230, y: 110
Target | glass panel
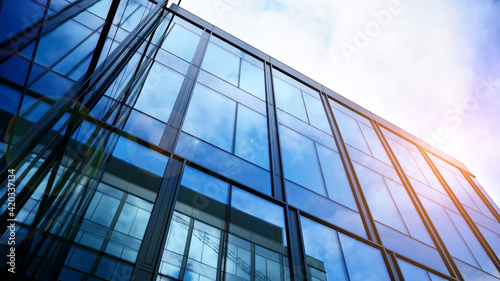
x: 159, y: 92
x: 195, y: 249
x: 211, y: 117
x: 222, y: 162
x: 334, y: 256
x: 335, y: 175
x: 300, y: 160
x: 228, y: 70
x: 205, y: 184
x: 251, y: 137
x: 181, y: 42
x: 59, y: 42
x: 363, y: 262
x: 379, y: 199
x: 289, y: 99
x: 325, y: 209
x: 252, y: 79
x: 140, y: 156
x: 324, y: 257
x: 316, y: 113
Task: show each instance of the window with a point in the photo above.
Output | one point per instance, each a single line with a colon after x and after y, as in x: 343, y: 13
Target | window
x: 196, y: 248
x: 299, y: 101
x: 238, y: 68
x: 334, y: 256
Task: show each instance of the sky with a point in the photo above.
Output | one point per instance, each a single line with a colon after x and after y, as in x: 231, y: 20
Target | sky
x: 431, y: 68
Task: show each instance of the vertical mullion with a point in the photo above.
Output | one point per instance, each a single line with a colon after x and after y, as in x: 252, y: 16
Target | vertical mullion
x: 149, y: 257
x: 351, y: 175
x: 465, y: 215
x: 438, y: 242
x: 481, y: 195
x: 363, y: 208
x: 277, y: 175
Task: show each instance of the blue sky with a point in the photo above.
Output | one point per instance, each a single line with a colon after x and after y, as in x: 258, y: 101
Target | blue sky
x: 430, y: 67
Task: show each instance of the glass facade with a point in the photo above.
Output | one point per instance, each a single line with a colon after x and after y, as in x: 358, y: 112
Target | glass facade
x: 139, y: 142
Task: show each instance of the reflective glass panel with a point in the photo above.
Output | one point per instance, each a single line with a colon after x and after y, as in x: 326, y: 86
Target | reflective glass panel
x: 159, y: 92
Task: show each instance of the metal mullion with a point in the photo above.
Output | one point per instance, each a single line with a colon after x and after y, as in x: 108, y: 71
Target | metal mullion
x: 28, y: 74
x: 149, y: 257
x: 465, y: 215
x: 44, y: 25
x: 186, y: 248
x: 296, y: 250
x: 226, y: 232
x: 275, y: 156
x: 321, y: 170
x: 434, y: 235
x: 179, y: 110
x: 51, y: 117
x: 363, y: 208
x: 484, y: 199
x: 109, y: 233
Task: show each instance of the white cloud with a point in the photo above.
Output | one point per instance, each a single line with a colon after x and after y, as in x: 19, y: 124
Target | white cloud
x: 413, y: 71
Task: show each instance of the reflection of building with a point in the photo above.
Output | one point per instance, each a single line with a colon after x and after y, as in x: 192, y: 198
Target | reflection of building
x: 145, y: 143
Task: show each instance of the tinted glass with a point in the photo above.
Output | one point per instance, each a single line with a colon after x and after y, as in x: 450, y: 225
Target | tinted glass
x: 159, y: 92
x: 211, y: 117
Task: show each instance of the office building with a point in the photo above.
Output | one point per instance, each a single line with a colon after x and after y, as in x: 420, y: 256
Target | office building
x: 140, y: 142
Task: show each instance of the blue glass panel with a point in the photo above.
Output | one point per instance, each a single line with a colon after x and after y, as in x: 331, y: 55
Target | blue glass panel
x: 492, y: 238
x: 322, y: 244
x: 205, y: 184
x: 411, y: 248
x: 82, y: 259
x: 140, y: 156
x: 324, y: 209
x: 33, y: 109
x: 181, y: 42
x: 211, y: 117
x: 145, y: 127
x: 252, y: 79
x: 59, y: 42
x: 363, y: 262
x: 222, y: 63
x: 13, y: 19
x: 257, y: 207
x: 15, y: 69
x: 52, y: 85
x: 471, y: 273
x: 232, y: 92
x: 135, y: 18
x: 81, y: 69
x: 457, y: 187
x: 105, y: 268
x: 306, y: 129
x: 379, y: 199
x: 78, y: 55
x: 159, y: 92
x: 316, y: 113
x: 289, y: 99
x: 351, y: 133
x: 410, y: 215
x: 300, y: 160
x: 448, y: 232
x: 412, y: 272
x: 233, y: 167
x: 10, y: 99
x: 172, y: 61
x: 90, y: 20
x: 473, y: 244
x: 251, y: 137
x: 376, y: 147
x: 336, y: 180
